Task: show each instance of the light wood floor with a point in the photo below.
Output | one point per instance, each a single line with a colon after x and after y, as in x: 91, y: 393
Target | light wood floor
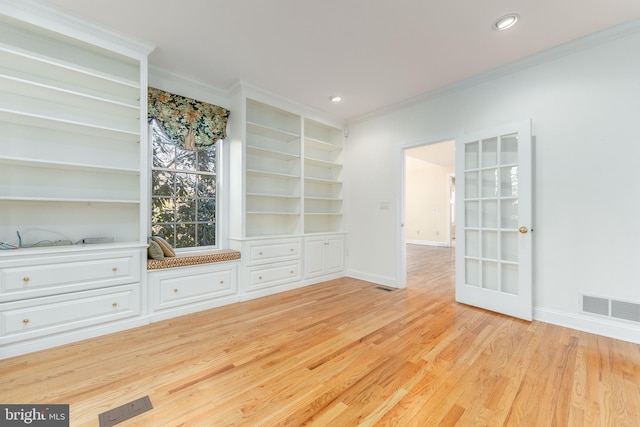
x: 343, y: 353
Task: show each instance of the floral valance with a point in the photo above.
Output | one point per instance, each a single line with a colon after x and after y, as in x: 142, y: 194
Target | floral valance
x: 192, y: 124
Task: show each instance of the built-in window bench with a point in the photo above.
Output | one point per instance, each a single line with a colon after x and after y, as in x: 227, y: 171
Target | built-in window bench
x: 190, y: 282
x: 188, y: 259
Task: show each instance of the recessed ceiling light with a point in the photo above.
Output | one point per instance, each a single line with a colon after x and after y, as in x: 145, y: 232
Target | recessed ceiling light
x: 335, y: 99
x: 506, y: 21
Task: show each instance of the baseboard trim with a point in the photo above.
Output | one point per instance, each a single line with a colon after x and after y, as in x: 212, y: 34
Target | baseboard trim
x: 428, y: 243
x: 604, y: 327
x: 379, y: 280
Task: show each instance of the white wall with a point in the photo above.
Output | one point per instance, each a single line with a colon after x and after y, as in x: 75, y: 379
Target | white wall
x: 584, y: 109
x: 426, y: 203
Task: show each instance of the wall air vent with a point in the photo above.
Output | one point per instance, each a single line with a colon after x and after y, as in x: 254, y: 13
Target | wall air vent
x: 625, y: 310
x: 615, y: 309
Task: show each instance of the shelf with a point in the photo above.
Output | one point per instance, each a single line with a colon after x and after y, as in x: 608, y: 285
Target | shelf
x: 271, y: 195
x: 67, y: 200
x: 50, y: 63
x: 45, y: 83
x: 322, y: 163
x: 66, y: 166
x: 322, y: 213
x: 322, y: 180
x: 272, y: 213
x: 274, y: 154
x: 43, y: 119
x: 66, y: 52
x: 267, y: 174
x: 66, y: 107
x: 327, y: 199
x: 321, y: 145
x: 269, y: 132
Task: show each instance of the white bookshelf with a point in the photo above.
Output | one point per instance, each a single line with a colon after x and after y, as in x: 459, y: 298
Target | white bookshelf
x: 323, y: 147
x: 273, y: 171
x: 70, y: 132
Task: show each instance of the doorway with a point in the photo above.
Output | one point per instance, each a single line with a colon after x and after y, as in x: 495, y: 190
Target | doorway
x: 428, y: 210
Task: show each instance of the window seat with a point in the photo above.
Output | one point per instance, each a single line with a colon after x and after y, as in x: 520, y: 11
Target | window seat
x: 187, y: 259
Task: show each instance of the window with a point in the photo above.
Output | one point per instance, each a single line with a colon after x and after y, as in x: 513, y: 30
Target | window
x: 183, y: 192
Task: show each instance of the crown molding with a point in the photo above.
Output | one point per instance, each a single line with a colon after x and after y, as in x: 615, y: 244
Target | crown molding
x: 563, y: 50
x: 42, y: 15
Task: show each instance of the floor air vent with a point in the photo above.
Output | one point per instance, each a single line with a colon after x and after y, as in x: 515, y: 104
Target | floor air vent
x: 611, y: 308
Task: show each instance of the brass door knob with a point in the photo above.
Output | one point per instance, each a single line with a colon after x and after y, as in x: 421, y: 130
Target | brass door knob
x: 523, y: 230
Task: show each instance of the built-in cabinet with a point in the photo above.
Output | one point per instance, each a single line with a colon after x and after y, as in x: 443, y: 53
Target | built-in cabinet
x: 323, y: 255
x: 72, y: 166
x: 286, y: 185
x: 70, y: 126
x: 177, y: 291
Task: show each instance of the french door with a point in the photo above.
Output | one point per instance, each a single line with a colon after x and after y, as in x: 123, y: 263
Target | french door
x: 493, y: 217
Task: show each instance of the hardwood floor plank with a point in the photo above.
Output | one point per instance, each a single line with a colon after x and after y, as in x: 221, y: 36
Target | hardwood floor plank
x: 342, y: 353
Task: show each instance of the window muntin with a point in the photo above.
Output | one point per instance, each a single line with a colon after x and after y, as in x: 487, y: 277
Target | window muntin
x: 183, y: 193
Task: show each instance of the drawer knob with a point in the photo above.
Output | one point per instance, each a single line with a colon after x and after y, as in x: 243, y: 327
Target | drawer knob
x: 115, y: 304
x: 222, y: 282
x: 291, y: 249
x: 259, y: 277
x: 114, y: 269
x: 25, y: 321
x: 175, y: 290
x: 260, y: 253
x: 25, y: 279
x: 291, y: 271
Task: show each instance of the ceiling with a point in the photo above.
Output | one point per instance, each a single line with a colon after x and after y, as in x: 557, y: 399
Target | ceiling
x: 374, y: 53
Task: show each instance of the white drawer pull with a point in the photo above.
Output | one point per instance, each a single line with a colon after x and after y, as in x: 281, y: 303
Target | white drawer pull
x: 25, y: 321
x: 25, y: 279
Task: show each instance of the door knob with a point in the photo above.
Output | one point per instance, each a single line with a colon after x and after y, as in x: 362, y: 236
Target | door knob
x: 523, y: 230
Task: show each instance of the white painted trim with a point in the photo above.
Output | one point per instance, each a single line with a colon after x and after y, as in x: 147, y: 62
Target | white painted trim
x: 571, y: 47
x: 45, y: 16
x: 427, y: 243
x: 380, y: 280
x: 592, y: 324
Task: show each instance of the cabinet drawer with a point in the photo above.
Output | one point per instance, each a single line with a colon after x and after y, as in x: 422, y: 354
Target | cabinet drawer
x: 49, y: 315
x: 282, y: 250
x: 273, y: 275
x: 196, y: 286
x: 55, y: 275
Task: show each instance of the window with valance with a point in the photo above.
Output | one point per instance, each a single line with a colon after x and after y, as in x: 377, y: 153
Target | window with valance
x: 184, y: 168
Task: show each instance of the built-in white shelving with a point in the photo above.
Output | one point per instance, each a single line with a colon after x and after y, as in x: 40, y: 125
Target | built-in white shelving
x: 323, y: 187
x: 70, y: 132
